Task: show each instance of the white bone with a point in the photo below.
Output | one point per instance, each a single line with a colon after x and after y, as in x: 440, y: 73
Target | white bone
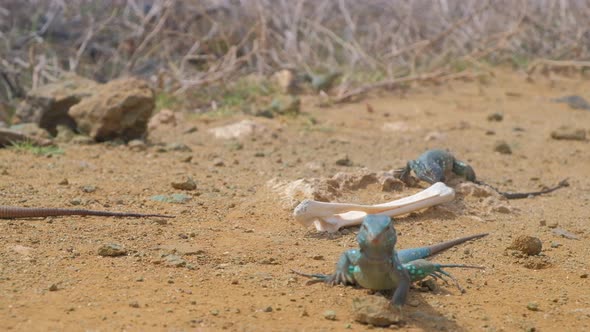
x: 331, y: 217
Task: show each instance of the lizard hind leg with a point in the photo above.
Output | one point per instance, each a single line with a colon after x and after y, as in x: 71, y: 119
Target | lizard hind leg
x: 421, y: 268
x: 431, y: 173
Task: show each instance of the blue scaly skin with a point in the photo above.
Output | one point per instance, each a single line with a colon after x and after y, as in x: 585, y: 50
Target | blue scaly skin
x: 378, y: 266
x: 436, y: 165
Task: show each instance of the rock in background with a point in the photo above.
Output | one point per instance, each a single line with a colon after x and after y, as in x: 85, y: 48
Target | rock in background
x: 48, y: 105
x: 119, y: 109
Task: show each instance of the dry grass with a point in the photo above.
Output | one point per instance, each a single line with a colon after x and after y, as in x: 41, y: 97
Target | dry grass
x: 182, y: 45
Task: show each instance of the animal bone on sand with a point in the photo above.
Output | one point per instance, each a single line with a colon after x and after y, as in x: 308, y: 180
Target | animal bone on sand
x: 331, y: 217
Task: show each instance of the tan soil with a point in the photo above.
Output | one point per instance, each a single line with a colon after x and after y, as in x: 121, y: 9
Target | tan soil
x: 243, y: 243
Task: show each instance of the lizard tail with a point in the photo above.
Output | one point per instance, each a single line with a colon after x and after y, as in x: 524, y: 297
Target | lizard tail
x: 409, y: 255
x: 510, y: 195
x: 444, y: 266
x: 23, y: 212
x: 436, y: 248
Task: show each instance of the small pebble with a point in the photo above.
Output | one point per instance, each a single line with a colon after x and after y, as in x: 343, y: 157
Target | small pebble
x: 174, y: 198
x: 218, y: 162
x: 330, y: 315
x: 562, y: 232
x: 343, y: 160
x: 414, y: 303
x: 584, y: 275
x: 53, y: 288
x: 137, y: 145
x: 174, y: 261
x: 82, y: 140
x: 267, y: 309
x: 181, y: 147
x: 434, y: 136
x: 376, y: 311
x: 184, y: 183
x: 89, y: 189
x: 63, y: 182
x: 190, y: 130
x: 568, y: 133
x: 186, y: 159
x: 532, y: 306
x: 430, y: 284
x: 574, y: 101
x: 497, y: 117
x: 112, y: 250
x: 134, y: 304
x: 527, y: 244
x: 502, y: 147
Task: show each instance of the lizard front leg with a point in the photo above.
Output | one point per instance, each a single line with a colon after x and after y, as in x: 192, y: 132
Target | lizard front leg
x: 463, y: 169
x: 404, y: 173
x: 343, y: 274
x: 403, y: 283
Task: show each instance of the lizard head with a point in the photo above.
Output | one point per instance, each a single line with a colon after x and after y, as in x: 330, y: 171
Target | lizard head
x: 431, y: 173
x: 377, y: 235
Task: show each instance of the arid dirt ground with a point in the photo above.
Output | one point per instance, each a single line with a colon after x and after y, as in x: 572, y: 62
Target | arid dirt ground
x: 240, y: 243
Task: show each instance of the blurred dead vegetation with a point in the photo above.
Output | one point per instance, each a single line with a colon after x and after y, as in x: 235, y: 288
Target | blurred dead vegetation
x: 194, y: 51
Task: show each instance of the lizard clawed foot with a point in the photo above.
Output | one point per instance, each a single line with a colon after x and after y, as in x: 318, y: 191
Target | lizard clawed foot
x: 332, y: 279
x: 339, y: 278
x: 441, y: 274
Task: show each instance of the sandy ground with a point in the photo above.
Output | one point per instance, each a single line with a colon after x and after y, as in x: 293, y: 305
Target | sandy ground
x: 240, y: 243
